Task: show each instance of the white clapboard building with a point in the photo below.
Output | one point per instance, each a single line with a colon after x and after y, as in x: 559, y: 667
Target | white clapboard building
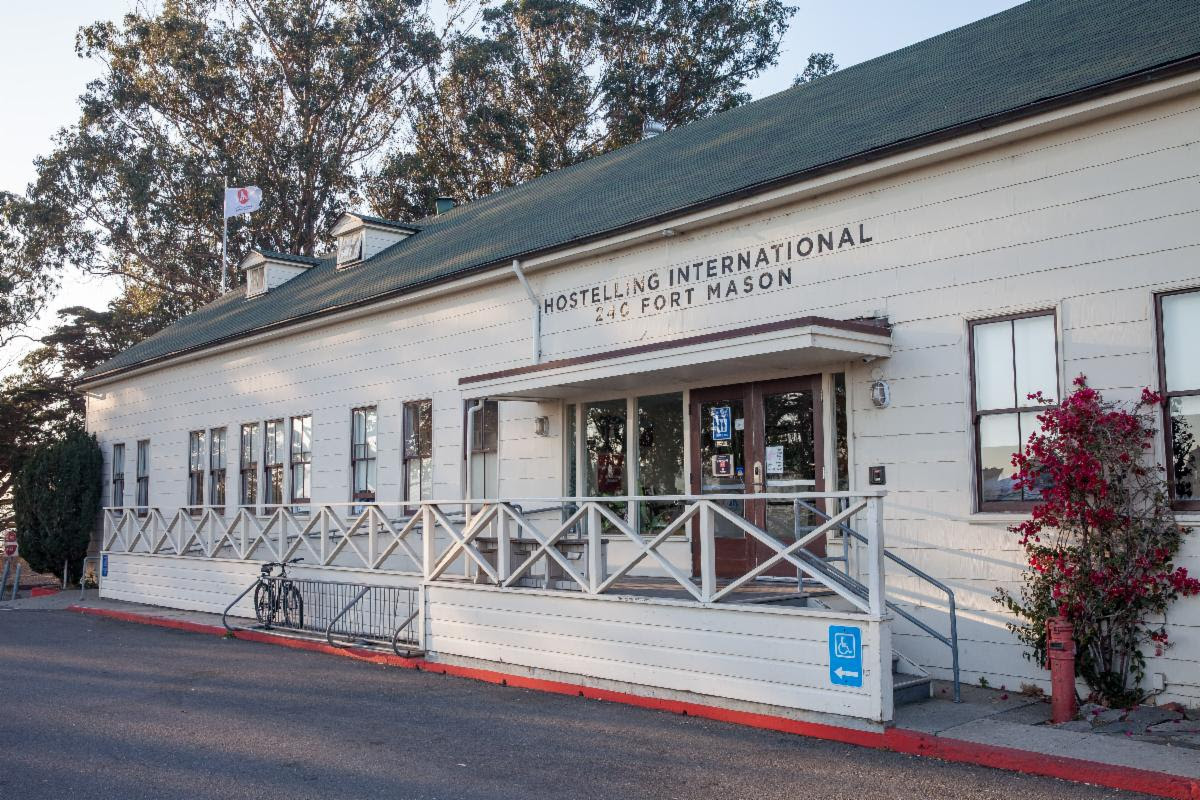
x: 595, y: 426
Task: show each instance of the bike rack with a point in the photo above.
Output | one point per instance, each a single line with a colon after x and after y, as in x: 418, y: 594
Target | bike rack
x: 225, y: 615
x: 342, y: 613
x: 318, y: 597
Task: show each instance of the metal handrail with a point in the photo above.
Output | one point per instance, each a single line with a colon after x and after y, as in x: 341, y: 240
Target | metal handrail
x: 952, y: 640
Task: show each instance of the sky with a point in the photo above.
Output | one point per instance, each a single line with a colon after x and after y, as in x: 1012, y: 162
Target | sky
x: 37, y: 52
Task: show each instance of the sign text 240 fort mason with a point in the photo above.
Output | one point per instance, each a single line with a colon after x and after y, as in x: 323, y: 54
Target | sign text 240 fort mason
x: 755, y: 269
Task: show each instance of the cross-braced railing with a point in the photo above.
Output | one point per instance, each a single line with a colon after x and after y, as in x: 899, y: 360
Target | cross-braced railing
x: 364, y: 537
x: 591, y: 524
x: 551, y: 542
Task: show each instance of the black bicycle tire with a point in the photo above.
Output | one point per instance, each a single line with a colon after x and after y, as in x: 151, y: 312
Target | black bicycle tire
x: 292, y: 602
x: 269, y: 605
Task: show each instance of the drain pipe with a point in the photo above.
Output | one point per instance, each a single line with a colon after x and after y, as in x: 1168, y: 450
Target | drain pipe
x: 467, y: 457
x: 537, y: 312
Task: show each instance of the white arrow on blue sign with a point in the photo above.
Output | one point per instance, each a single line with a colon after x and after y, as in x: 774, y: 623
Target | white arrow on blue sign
x: 845, y: 655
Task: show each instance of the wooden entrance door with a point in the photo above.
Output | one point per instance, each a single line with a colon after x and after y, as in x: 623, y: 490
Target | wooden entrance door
x: 757, y: 439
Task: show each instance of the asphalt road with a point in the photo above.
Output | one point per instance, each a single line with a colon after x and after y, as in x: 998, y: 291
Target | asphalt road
x: 94, y: 708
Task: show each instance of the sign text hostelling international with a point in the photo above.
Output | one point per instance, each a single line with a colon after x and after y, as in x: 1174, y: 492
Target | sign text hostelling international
x: 755, y: 269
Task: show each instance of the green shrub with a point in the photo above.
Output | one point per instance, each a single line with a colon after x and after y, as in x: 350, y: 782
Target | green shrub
x: 56, y: 500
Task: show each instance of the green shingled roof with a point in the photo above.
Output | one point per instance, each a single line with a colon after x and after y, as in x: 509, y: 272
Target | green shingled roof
x: 1023, y: 60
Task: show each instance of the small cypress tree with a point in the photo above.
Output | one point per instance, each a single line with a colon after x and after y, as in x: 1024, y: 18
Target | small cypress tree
x: 56, y: 498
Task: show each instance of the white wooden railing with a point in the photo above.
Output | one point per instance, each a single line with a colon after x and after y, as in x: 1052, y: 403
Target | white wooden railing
x: 440, y: 540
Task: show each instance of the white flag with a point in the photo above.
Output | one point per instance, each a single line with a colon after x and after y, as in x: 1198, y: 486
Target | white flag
x: 242, y: 200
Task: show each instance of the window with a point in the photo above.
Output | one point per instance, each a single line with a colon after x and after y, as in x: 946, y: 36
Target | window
x: 143, y: 475
x: 216, y: 468
x: 301, y: 459
x: 195, y: 493
x: 1011, y: 358
x: 660, y: 458
x: 248, y: 463
x: 841, y: 439
x: 118, y: 476
x: 273, y: 450
x: 1179, y: 376
x: 418, y: 450
x: 484, y: 462
x: 604, y: 437
x: 363, y: 451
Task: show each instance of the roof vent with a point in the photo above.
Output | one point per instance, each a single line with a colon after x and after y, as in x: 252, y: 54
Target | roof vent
x: 359, y: 237
x: 266, y: 269
x: 652, y: 127
x: 443, y: 204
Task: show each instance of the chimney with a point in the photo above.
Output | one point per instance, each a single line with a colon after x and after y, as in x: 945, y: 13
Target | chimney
x: 443, y: 204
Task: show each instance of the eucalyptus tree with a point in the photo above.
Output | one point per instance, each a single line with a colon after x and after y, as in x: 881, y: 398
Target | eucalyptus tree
x: 542, y: 84
x: 294, y: 96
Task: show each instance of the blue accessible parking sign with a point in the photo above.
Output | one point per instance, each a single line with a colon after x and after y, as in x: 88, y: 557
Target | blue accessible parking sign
x: 845, y: 656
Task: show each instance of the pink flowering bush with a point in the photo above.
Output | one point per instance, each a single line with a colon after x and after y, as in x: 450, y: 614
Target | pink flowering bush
x: 1101, y: 541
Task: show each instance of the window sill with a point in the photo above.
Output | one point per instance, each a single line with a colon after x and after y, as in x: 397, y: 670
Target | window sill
x: 994, y: 518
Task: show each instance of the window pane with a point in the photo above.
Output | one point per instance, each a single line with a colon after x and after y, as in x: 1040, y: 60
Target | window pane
x: 1181, y: 333
x: 118, y: 460
x: 569, y: 453
x: 1037, y: 367
x: 1030, y: 426
x: 370, y: 431
x: 418, y: 429
x: 604, y: 429
x: 1185, y: 446
x: 993, y: 366
x: 660, y: 457
x: 486, y: 427
x: 841, y: 433
x: 999, y: 439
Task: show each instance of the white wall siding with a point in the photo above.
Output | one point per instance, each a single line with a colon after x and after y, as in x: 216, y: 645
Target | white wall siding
x: 767, y: 656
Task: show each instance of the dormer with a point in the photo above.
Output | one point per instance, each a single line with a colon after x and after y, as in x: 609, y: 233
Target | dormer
x: 359, y: 237
x: 266, y: 269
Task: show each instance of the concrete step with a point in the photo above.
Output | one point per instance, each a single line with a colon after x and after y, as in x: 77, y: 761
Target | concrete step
x: 908, y: 688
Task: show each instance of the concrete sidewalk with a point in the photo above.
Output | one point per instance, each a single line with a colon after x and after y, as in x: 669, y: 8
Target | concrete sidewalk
x: 990, y: 727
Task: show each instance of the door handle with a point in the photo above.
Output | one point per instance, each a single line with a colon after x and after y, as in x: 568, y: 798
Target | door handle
x: 758, y: 477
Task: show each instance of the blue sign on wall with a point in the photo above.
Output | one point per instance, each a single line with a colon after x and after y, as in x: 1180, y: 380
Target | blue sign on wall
x: 104, y: 566
x: 722, y: 429
x: 845, y: 656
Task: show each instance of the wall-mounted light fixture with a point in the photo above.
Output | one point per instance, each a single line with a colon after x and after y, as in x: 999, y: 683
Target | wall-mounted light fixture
x: 881, y: 394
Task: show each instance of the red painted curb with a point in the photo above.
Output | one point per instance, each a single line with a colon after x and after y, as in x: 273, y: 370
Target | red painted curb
x: 43, y: 591
x: 899, y: 740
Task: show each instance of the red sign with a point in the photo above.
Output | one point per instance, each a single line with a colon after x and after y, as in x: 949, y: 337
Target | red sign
x: 243, y: 196
x: 10, y: 543
x: 10, y: 550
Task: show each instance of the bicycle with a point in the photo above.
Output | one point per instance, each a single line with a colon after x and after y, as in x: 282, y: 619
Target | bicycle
x: 277, y: 597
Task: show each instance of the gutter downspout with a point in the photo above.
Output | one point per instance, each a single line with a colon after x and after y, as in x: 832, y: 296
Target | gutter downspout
x: 468, y: 456
x: 537, y: 311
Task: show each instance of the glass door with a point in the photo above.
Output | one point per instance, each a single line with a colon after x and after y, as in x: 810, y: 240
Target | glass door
x: 719, y: 458
x: 758, y: 439
x: 792, y: 456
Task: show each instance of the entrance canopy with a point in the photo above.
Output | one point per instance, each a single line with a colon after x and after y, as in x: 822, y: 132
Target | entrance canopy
x: 775, y: 349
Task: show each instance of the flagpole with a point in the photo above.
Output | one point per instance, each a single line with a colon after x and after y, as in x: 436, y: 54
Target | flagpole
x: 224, y: 230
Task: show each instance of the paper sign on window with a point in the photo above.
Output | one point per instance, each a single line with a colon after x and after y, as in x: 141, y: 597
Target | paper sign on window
x: 721, y: 423
x: 775, y: 460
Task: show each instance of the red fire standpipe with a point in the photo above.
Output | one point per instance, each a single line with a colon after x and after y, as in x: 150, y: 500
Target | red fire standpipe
x: 1060, y: 646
